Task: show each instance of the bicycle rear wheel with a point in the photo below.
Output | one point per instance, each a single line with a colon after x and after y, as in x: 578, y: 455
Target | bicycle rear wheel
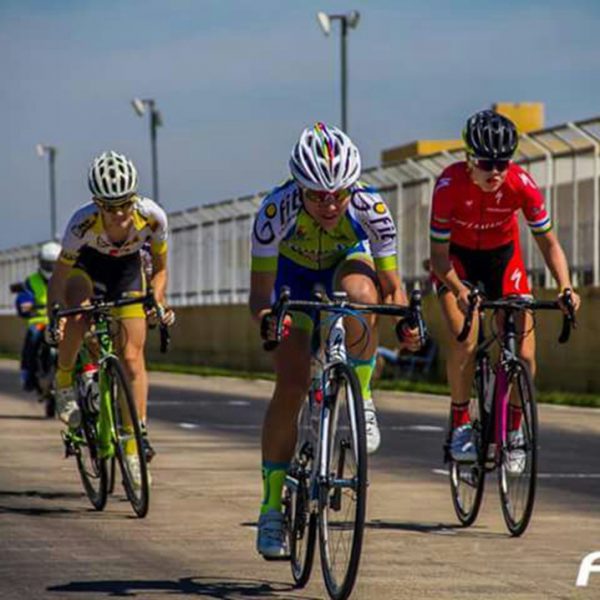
x: 92, y: 469
x: 517, y: 472
x: 127, y: 437
x: 301, y: 523
x: 343, y: 492
x: 467, y: 480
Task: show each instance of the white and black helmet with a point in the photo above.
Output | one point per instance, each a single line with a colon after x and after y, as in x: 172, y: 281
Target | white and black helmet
x: 47, y: 257
x: 325, y: 159
x: 112, y: 176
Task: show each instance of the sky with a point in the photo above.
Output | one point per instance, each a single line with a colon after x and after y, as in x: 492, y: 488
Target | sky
x: 236, y: 81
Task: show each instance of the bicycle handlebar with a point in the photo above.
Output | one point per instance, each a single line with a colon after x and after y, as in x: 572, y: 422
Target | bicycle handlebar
x: 322, y: 303
x: 98, y: 304
x: 520, y: 304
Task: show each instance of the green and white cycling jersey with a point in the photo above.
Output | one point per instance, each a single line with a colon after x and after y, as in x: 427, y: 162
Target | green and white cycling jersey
x: 283, y: 227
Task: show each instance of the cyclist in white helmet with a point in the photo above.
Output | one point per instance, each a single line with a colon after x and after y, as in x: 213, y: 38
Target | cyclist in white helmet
x: 31, y: 306
x: 321, y: 227
x: 102, y: 254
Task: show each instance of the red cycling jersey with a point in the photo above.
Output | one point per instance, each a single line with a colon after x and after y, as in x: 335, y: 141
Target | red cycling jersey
x: 462, y: 213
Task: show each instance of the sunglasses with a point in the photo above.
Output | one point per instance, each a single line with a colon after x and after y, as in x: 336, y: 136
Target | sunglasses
x: 489, y: 165
x: 124, y: 206
x: 326, y: 197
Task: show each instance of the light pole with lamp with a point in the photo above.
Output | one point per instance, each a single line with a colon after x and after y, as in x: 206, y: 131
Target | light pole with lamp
x: 51, y: 151
x: 349, y: 20
x: 155, y: 121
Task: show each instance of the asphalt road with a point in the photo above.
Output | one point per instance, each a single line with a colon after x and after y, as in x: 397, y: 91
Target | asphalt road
x: 198, y: 539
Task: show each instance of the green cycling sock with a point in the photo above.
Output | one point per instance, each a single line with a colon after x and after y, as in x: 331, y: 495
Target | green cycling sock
x: 273, y: 475
x: 364, y: 371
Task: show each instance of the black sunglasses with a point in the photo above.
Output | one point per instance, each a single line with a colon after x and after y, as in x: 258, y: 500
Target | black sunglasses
x: 489, y: 164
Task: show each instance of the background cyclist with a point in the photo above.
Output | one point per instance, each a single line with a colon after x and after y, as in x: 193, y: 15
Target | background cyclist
x: 101, y: 254
x: 31, y: 305
x: 322, y: 226
x: 475, y: 241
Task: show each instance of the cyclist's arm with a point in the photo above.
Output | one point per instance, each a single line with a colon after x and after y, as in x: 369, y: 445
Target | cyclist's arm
x: 261, y: 286
x: 443, y: 269
x: 58, y: 283
x: 392, y: 290
x: 555, y: 258
x: 159, y: 276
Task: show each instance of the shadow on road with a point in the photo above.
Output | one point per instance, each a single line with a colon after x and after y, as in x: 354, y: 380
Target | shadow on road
x: 24, y: 418
x: 229, y: 589
x: 38, y: 511
x: 435, y: 528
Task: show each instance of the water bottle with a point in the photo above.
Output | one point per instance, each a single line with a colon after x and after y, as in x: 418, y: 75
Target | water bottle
x: 89, y: 392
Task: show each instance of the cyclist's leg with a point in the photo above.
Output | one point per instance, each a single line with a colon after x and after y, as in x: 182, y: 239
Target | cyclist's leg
x: 27, y: 356
x: 132, y: 340
x: 514, y: 283
x: 79, y: 289
x: 357, y: 277
x: 292, y: 370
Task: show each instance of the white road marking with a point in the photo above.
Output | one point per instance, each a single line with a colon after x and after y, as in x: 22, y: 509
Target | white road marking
x: 219, y: 426
x: 542, y: 475
x: 238, y: 403
x: 420, y: 428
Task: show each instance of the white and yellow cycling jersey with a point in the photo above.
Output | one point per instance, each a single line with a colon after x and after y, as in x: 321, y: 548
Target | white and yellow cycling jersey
x: 86, y: 230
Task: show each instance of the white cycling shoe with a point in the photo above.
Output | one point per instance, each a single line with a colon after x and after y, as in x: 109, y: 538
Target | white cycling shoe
x: 462, y: 448
x: 372, y: 428
x: 66, y: 406
x: 133, y: 466
x: 271, y: 540
x: 516, y: 458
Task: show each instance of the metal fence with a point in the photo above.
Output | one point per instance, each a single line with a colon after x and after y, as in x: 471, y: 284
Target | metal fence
x: 209, y: 257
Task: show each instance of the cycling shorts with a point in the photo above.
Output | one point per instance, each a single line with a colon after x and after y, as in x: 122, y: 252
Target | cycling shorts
x: 302, y: 281
x: 497, y: 272
x: 114, y: 277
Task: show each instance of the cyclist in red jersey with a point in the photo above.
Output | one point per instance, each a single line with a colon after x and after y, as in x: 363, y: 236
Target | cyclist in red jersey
x: 475, y: 242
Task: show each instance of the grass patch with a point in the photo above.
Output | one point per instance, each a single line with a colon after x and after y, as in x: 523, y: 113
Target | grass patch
x: 400, y: 385
x: 205, y: 371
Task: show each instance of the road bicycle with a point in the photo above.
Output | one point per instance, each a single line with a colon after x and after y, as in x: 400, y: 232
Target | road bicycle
x: 325, y: 489
x: 109, y: 427
x: 503, y: 416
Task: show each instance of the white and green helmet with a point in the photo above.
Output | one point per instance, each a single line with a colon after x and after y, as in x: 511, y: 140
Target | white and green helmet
x: 112, y: 176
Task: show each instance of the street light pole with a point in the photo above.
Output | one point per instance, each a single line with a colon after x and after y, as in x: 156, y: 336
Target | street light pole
x: 41, y: 150
x: 349, y: 20
x: 155, y: 121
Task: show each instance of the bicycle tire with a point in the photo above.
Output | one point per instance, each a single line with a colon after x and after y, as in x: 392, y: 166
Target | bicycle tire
x: 344, y: 389
x: 301, y: 523
x: 92, y: 468
x: 518, y: 489
x: 467, y: 481
x: 124, y: 412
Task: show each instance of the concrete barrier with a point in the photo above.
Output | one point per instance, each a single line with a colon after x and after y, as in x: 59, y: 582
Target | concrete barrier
x: 225, y: 336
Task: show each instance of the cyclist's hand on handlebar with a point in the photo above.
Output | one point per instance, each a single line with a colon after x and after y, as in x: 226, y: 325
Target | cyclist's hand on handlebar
x: 463, y: 298
x: 166, y: 315
x: 268, y: 327
x: 408, y: 336
x: 569, y: 300
x: 54, y: 332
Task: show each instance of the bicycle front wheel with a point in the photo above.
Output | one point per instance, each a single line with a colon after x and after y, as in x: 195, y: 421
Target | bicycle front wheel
x: 343, y: 489
x: 92, y: 468
x: 518, y: 466
x: 127, y: 438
